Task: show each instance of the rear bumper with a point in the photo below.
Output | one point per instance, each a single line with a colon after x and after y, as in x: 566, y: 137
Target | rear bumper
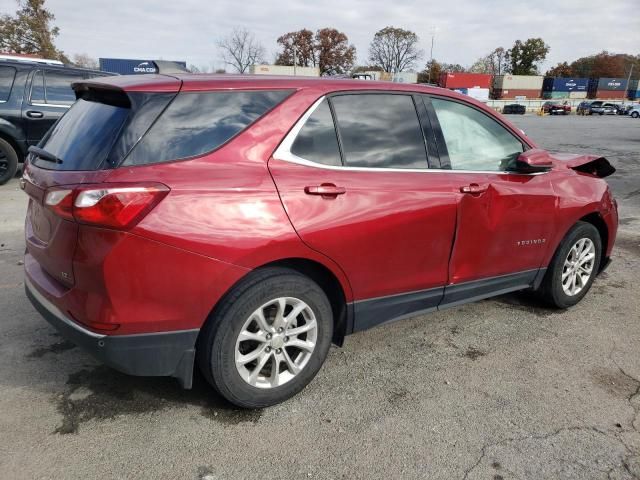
x: 166, y: 354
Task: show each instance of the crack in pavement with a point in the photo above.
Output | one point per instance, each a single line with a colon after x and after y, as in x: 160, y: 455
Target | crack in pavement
x: 625, y: 461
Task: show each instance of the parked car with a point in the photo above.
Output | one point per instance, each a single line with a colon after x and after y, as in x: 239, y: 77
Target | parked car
x: 623, y: 109
x: 583, y: 108
x: 601, y: 108
x: 635, y: 111
x: 244, y: 223
x: 556, y: 108
x: 34, y: 93
x: 514, y: 109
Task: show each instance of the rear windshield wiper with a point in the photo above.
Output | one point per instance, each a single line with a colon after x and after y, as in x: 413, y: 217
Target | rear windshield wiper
x: 44, y: 155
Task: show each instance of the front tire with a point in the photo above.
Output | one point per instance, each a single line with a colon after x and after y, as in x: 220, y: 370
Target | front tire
x: 635, y: 115
x: 573, y: 267
x: 267, y: 339
x: 8, y: 161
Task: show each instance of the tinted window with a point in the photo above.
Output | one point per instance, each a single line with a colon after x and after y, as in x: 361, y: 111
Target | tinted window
x: 84, y: 135
x: 37, y: 88
x: 379, y: 130
x: 197, y: 123
x: 317, y: 140
x: 474, y: 140
x: 7, y: 74
x: 59, y: 88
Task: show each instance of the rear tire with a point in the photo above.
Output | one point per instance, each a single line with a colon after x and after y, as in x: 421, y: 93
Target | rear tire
x: 573, y: 267
x: 254, y: 321
x: 8, y: 161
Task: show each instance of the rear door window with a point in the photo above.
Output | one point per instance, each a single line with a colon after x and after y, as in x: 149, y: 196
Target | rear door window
x: 37, y: 88
x: 58, y: 87
x: 196, y: 123
x: 317, y: 140
x: 380, y: 131
x: 7, y: 75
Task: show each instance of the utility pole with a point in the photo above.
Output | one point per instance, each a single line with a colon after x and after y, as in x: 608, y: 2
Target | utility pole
x: 295, y: 59
x: 433, y: 31
x: 629, y: 81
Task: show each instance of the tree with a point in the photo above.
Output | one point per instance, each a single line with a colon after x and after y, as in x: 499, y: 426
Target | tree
x: 562, y: 69
x: 335, y: 55
x: 30, y: 31
x: 605, y: 64
x: 525, y: 56
x: 240, y: 49
x: 394, y: 49
x: 85, y: 61
x: 494, y: 63
x: 303, y: 44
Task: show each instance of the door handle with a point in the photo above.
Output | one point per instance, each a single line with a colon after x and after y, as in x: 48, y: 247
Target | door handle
x: 325, y: 190
x: 34, y: 114
x: 474, y: 188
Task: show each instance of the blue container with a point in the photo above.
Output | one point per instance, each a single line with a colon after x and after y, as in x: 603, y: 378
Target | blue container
x: 551, y: 84
x: 128, y: 66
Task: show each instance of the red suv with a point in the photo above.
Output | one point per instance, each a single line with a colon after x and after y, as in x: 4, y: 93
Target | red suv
x: 245, y: 223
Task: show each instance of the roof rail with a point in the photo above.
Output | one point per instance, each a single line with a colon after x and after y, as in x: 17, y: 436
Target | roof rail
x: 26, y: 59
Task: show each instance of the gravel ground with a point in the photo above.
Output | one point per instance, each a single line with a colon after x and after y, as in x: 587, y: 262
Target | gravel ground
x: 498, y: 389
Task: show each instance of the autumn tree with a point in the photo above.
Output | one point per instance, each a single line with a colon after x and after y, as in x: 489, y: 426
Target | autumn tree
x: 299, y: 45
x: 524, y: 57
x: 85, y: 61
x: 395, y: 49
x: 334, y: 53
x: 605, y: 64
x: 562, y: 69
x: 30, y: 31
x: 240, y: 49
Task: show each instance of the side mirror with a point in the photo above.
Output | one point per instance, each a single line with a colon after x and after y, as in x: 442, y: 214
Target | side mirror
x: 533, y: 161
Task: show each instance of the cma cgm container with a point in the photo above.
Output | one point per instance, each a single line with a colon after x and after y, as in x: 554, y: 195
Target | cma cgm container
x: 608, y: 88
x: 284, y: 70
x: 130, y: 66
x: 464, y: 80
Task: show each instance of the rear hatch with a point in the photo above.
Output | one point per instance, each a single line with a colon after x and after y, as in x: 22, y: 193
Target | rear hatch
x: 83, y: 147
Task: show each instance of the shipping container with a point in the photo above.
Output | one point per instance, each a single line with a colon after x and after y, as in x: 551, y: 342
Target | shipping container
x: 519, y: 82
x: 608, y: 94
x: 480, y: 94
x: 129, y: 66
x: 515, y: 92
x: 612, y: 84
x: 284, y: 70
x: 577, y: 94
x: 551, y: 84
x: 557, y: 95
x: 404, y: 77
x: 464, y: 80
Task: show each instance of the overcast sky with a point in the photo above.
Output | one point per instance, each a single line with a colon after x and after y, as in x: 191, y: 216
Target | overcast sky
x: 466, y: 29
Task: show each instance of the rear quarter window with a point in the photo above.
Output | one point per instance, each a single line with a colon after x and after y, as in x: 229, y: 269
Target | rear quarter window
x: 196, y: 123
x: 7, y: 75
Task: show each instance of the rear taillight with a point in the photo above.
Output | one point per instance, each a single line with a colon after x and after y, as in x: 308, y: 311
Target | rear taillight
x: 106, y: 205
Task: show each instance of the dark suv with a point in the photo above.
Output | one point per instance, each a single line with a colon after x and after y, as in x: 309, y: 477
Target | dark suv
x: 34, y: 93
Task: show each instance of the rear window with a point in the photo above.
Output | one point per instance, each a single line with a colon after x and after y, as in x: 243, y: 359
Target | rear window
x: 100, y: 129
x: 7, y: 75
x: 196, y: 123
x: 83, y: 137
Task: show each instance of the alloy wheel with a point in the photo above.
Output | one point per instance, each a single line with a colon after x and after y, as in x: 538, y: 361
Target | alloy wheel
x: 578, y: 266
x: 276, y: 342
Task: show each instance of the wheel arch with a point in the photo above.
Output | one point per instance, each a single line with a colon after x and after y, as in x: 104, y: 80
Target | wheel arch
x: 14, y: 144
x: 330, y: 283
x: 597, y: 221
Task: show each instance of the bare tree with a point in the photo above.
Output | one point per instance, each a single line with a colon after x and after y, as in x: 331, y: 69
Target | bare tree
x: 240, y: 49
x: 85, y: 61
x: 394, y: 49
